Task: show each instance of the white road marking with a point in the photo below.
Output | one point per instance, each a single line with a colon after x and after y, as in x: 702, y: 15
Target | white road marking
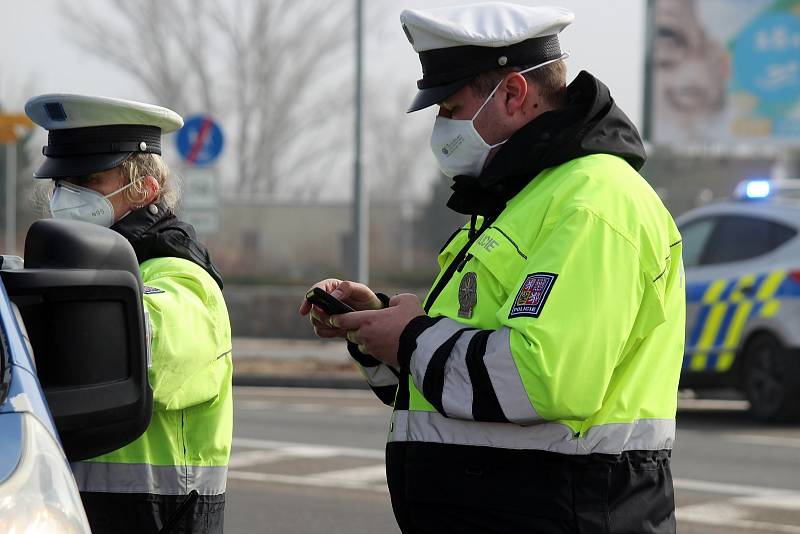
x: 307, y: 408
x: 323, y: 450
x: 724, y: 488
x: 256, y: 405
x: 370, y: 473
x: 309, y: 480
x: 787, y: 501
x: 305, y: 393
x: 251, y: 458
x: 364, y: 410
x: 712, y: 404
x: 728, y: 514
x: 733, y: 512
x: 770, y: 441
x: 265, y: 405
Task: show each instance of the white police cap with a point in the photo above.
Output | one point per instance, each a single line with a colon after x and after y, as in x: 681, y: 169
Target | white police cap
x: 89, y: 134
x: 457, y: 43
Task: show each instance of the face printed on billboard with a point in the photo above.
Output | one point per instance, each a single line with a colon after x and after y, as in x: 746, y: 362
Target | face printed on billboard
x: 724, y: 71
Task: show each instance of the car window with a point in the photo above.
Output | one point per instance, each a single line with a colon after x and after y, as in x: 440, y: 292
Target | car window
x: 737, y: 238
x: 695, y: 235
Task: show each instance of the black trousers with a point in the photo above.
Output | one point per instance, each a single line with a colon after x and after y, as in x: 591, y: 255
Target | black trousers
x: 459, y: 489
x: 142, y: 513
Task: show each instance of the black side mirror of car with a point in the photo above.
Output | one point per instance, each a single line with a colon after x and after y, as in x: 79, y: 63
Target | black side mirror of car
x: 80, y: 298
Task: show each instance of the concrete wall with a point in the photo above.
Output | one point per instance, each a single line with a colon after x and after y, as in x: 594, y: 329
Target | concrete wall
x: 285, y: 243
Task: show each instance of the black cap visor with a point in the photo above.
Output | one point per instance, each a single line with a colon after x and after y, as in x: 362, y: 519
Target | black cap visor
x: 434, y: 95
x: 79, y: 166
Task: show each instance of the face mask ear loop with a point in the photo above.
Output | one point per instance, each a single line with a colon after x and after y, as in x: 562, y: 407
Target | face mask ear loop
x: 565, y: 55
x: 496, y: 87
x: 124, y: 187
x: 481, y: 109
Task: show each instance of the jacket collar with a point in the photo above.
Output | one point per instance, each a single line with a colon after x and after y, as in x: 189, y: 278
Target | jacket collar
x: 590, y: 123
x: 155, y: 232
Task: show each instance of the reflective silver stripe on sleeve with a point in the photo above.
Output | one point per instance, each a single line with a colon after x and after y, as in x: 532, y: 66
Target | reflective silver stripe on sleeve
x: 432, y: 427
x: 427, y: 343
x: 506, y: 381
x: 398, y: 426
x: 144, y: 478
x: 379, y: 375
x: 457, y: 391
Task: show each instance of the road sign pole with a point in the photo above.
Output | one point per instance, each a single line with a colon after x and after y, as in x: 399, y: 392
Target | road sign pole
x: 360, y: 200
x: 11, y: 199
x: 10, y: 127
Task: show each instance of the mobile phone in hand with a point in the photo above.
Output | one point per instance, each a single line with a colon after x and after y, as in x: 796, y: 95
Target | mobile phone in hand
x: 328, y: 303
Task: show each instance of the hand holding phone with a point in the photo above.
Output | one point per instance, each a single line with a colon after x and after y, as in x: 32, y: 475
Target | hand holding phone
x: 328, y: 303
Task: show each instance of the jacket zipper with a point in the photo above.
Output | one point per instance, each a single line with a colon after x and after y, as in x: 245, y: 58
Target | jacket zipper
x: 456, y: 265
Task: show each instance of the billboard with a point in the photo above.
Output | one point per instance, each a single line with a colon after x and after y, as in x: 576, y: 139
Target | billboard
x: 723, y: 72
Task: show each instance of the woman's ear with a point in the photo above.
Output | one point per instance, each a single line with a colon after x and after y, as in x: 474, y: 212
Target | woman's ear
x: 152, y: 188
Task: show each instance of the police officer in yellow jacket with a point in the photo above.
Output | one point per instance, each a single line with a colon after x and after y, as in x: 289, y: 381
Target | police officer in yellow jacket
x: 535, y: 389
x: 103, y: 156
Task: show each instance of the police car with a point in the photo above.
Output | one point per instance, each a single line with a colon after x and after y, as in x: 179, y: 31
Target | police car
x: 73, y: 368
x: 742, y: 261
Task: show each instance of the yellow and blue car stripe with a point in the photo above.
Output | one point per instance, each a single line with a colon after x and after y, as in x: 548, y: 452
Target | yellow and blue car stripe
x: 725, y: 306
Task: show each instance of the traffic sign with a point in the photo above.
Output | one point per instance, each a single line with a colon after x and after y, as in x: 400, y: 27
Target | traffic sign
x: 10, y: 126
x: 200, y: 203
x: 200, y: 141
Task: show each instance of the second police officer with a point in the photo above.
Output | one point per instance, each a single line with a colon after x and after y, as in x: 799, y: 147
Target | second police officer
x: 104, y: 159
x: 535, y: 388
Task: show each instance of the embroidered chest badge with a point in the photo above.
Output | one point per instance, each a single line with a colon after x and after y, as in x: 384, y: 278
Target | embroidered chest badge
x: 467, y: 295
x: 150, y: 290
x: 532, y: 295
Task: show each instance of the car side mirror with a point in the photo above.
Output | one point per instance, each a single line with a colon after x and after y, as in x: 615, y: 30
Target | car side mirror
x: 80, y: 298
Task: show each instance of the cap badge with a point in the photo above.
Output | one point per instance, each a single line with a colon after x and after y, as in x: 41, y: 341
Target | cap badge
x: 142, y: 146
x: 467, y: 295
x: 55, y: 111
x: 502, y: 61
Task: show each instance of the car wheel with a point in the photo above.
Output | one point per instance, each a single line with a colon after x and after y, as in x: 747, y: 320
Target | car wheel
x: 771, y: 379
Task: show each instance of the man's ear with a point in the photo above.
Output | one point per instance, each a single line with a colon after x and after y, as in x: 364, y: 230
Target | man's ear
x: 516, y: 87
x: 152, y: 187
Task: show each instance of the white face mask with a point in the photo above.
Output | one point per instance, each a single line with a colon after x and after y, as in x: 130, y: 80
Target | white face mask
x: 73, y: 202
x: 457, y: 145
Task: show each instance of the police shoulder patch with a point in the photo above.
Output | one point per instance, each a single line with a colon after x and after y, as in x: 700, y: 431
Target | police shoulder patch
x: 150, y: 290
x: 532, y: 295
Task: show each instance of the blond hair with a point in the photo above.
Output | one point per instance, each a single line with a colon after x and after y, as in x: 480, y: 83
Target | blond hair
x: 133, y: 170
x: 137, y: 166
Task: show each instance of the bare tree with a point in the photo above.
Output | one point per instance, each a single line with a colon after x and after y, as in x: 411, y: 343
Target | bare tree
x: 270, y: 70
x: 397, y: 155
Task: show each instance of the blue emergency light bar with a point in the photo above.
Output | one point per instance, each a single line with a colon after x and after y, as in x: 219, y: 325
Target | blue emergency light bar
x: 761, y: 189
x: 756, y: 189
